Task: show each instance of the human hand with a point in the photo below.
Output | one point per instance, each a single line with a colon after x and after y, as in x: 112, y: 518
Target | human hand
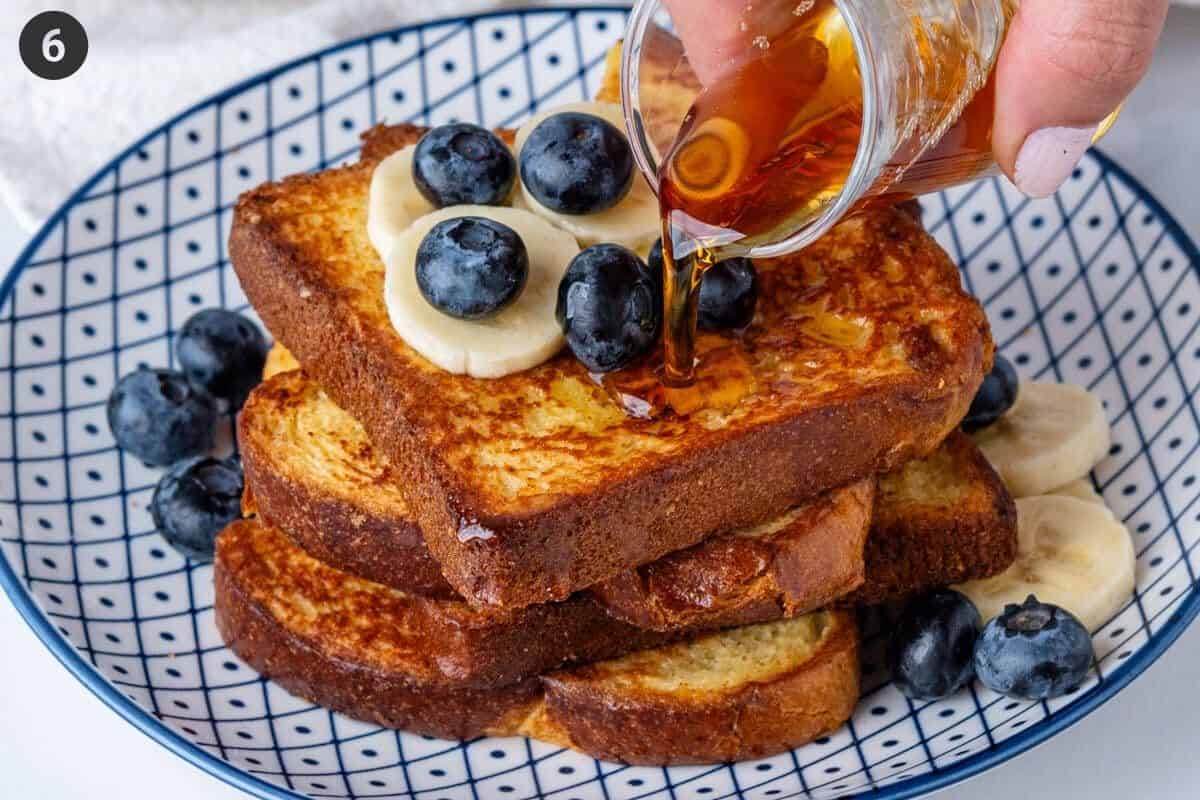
x: 1064, y: 67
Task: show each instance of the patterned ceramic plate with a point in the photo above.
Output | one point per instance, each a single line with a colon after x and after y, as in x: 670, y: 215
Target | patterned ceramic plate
x: 1096, y: 286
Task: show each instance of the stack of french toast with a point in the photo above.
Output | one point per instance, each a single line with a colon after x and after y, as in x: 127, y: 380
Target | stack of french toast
x: 461, y: 556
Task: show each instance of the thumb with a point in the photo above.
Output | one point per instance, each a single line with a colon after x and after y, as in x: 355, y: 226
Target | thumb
x: 1064, y: 67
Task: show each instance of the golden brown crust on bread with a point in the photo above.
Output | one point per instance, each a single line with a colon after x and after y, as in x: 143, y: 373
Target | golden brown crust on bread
x: 518, y: 515
x: 798, y: 679
x: 315, y: 476
x: 395, y: 699
x: 636, y: 710
x: 436, y: 642
x: 938, y: 521
x: 806, y: 559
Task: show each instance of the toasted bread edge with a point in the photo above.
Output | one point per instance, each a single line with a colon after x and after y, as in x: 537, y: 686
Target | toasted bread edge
x: 914, y: 549
x: 813, y: 697
x: 616, y: 721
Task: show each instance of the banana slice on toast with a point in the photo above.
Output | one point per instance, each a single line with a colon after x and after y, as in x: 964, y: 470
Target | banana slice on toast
x: 521, y: 336
x: 394, y: 202
x: 634, y: 222
x: 1081, y: 489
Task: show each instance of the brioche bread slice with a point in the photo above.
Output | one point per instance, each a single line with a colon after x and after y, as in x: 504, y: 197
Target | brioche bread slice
x: 940, y: 520
x: 356, y: 648
x: 936, y: 521
x: 312, y: 473
x: 744, y: 693
x: 440, y: 643
x: 805, y: 559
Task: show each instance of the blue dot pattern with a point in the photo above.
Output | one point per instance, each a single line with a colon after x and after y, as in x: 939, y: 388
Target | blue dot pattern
x: 1095, y: 286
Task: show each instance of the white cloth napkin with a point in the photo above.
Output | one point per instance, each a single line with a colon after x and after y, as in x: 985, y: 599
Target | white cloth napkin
x: 149, y: 59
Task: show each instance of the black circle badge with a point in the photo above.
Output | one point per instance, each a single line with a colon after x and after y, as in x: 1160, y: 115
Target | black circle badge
x: 53, y: 45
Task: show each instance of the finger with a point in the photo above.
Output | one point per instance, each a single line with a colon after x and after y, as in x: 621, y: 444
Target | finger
x: 717, y: 33
x: 1065, y: 66
x: 711, y: 33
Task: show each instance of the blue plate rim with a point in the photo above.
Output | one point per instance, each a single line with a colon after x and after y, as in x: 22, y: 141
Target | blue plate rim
x: 158, y: 731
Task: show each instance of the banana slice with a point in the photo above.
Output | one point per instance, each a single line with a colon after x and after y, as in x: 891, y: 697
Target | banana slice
x: 394, y: 202
x: 521, y: 336
x: 1072, y: 553
x: 634, y: 222
x: 1054, y: 434
x: 715, y: 152
x: 1081, y: 489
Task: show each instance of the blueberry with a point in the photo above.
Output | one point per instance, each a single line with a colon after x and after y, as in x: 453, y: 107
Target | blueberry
x: 654, y: 259
x: 577, y: 164
x: 194, y: 501
x: 728, y: 291
x: 995, y: 396
x: 461, y: 164
x: 932, y: 648
x: 1034, y: 651
x: 728, y: 295
x: 608, y: 307
x: 157, y: 416
x: 222, y: 353
x: 471, y: 267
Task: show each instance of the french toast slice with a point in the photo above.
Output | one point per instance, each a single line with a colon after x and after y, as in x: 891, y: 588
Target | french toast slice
x: 939, y: 520
x: 312, y: 473
x: 745, y: 693
x: 446, y: 644
x: 865, y: 353
x: 807, y: 558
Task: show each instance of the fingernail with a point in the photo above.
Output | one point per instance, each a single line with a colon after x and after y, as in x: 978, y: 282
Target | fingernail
x: 1048, y: 158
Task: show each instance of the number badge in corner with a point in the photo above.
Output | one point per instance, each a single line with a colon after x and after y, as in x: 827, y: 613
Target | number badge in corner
x: 53, y: 45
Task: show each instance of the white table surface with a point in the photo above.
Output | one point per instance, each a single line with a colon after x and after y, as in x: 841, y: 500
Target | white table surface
x: 58, y: 741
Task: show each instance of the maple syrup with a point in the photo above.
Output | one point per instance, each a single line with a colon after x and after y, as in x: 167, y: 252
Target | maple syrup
x: 643, y: 392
